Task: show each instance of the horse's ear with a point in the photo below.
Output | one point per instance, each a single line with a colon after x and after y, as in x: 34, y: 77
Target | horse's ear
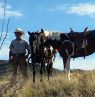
x: 29, y: 32
x: 42, y: 30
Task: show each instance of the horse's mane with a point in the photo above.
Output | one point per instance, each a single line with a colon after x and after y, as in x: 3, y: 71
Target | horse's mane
x: 52, y: 35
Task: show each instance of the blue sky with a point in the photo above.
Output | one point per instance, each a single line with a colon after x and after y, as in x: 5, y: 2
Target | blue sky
x: 51, y: 15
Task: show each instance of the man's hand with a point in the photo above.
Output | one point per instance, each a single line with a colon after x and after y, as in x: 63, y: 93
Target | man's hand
x: 10, y: 61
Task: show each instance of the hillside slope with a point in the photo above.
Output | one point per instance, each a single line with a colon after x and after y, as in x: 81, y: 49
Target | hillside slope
x: 81, y: 84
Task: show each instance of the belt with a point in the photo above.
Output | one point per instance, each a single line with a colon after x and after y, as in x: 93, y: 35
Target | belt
x: 19, y: 54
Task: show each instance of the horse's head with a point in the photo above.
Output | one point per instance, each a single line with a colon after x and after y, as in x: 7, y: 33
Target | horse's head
x: 51, y: 39
x: 42, y: 36
x: 33, y: 38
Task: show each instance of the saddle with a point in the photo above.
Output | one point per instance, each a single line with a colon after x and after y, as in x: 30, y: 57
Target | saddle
x: 77, y: 38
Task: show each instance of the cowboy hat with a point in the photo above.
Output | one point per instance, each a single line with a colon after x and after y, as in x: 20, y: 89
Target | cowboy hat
x: 18, y: 30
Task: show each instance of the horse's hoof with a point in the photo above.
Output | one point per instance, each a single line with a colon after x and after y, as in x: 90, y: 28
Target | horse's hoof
x: 33, y: 81
x: 41, y: 80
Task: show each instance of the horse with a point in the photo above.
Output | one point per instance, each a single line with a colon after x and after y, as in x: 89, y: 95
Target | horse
x: 49, y: 54
x: 40, y: 53
x: 36, y: 52
x: 67, y: 45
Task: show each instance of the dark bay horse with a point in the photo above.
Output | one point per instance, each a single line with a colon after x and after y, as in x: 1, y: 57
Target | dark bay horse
x: 73, y: 45
x: 36, y: 52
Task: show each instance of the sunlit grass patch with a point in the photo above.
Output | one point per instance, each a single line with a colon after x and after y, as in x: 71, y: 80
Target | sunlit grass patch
x: 80, y: 85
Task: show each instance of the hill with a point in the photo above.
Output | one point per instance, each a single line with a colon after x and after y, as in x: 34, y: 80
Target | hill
x: 6, y: 67
x: 81, y: 84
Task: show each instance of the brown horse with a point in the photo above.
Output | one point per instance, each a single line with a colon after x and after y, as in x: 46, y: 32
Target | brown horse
x: 40, y: 53
x: 73, y: 45
x: 37, y: 55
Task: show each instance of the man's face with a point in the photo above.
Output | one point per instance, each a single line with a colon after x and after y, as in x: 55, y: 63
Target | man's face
x: 17, y: 34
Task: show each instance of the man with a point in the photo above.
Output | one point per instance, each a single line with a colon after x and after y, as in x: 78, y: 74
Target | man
x: 19, y: 52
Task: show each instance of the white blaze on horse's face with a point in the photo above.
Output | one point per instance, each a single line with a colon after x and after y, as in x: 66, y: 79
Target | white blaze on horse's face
x: 52, y: 35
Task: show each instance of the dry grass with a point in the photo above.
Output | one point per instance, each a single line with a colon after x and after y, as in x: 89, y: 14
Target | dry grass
x: 82, y: 84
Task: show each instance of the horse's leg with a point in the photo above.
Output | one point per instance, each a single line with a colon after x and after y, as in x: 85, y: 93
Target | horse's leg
x: 66, y: 62
x: 34, y: 69
x: 49, y: 69
x: 41, y: 70
x: 68, y: 67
